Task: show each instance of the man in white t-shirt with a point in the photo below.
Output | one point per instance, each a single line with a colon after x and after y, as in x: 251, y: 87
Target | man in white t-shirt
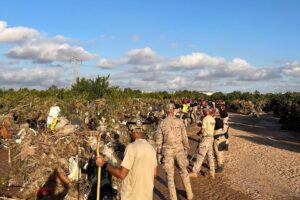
x: 206, y: 145
x: 138, y: 167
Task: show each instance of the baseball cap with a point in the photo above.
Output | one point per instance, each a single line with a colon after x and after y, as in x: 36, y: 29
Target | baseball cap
x: 135, y: 123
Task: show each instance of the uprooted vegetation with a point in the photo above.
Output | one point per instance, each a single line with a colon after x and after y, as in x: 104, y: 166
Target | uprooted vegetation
x: 39, y: 156
x: 286, y: 106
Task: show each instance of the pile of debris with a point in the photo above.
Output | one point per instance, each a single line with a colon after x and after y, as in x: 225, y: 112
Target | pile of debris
x: 51, y: 157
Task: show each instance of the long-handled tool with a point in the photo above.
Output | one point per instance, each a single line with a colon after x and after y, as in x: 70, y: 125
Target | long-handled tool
x: 99, y: 168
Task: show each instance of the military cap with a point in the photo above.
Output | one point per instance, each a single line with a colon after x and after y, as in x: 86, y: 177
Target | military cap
x: 169, y: 107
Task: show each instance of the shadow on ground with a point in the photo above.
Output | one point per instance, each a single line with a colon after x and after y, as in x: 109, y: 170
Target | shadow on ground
x: 265, y: 131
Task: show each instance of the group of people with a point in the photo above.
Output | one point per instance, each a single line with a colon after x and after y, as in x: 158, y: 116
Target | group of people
x: 139, y: 166
x: 214, y: 140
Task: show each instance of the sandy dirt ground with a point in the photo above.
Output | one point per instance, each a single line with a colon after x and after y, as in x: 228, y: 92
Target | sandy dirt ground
x: 263, y: 162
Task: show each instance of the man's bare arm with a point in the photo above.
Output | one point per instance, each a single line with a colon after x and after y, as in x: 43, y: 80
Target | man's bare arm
x: 119, y: 172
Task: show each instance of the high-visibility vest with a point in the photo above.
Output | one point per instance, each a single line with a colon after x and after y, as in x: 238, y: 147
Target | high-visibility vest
x: 185, y: 107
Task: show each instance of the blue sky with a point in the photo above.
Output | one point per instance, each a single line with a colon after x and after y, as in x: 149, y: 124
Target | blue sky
x: 219, y: 45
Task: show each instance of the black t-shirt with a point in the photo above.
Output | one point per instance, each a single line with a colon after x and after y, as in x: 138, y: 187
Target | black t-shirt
x: 219, y: 124
x: 223, y: 113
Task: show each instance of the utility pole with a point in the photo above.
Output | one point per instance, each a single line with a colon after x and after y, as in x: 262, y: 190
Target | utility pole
x: 75, y: 61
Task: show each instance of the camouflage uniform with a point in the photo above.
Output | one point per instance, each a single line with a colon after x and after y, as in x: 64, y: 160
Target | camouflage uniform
x: 173, y: 142
x: 219, y: 154
x: 194, y: 116
x: 206, y: 146
x: 225, y: 122
x: 219, y: 139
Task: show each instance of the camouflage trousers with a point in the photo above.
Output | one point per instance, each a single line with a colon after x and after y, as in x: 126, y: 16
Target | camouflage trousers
x: 205, y: 148
x: 170, y: 155
x: 194, y: 117
x: 225, y: 122
x: 185, y: 117
x: 219, y: 154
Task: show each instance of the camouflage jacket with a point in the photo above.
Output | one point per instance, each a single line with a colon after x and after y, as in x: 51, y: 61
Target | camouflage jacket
x: 171, y: 134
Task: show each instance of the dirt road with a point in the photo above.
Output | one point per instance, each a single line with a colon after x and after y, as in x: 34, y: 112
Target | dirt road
x: 263, y: 163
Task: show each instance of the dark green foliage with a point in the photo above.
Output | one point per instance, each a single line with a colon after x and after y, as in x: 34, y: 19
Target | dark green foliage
x: 91, y: 88
x: 285, y: 106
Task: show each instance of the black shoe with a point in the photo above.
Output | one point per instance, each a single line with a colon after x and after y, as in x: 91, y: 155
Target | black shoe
x: 220, y: 169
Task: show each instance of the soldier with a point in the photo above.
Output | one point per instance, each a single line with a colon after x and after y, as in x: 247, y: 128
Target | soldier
x: 221, y: 139
x: 194, y: 116
x: 224, y: 117
x: 138, y: 167
x: 185, y: 110
x: 220, y: 142
x: 172, y: 142
x: 206, y: 145
x: 177, y: 110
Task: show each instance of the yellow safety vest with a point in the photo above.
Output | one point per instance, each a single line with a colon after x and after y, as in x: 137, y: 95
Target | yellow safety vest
x: 185, y: 108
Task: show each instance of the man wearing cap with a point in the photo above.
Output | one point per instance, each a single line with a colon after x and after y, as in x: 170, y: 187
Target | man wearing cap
x: 206, y: 145
x: 172, y: 143
x: 224, y: 117
x: 138, y: 167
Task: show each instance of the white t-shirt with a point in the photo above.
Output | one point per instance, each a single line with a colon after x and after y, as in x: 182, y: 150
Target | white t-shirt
x: 208, y: 125
x: 140, y: 160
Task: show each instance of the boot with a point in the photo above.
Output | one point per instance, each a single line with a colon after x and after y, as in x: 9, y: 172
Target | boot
x: 220, y: 169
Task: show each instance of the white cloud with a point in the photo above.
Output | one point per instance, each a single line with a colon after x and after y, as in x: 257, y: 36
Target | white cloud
x: 107, y: 64
x: 201, y: 65
x: 16, y: 34
x: 254, y: 75
x: 32, y: 45
x: 237, y: 65
x: 198, y: 60
x: 195, y: 71
x: 176, y: 82
x: 45, y: 52
x: 146, y: 52
x: 205, y: 73
x: 291, y: 69
x: 38, y: 77
x: 145, y: 56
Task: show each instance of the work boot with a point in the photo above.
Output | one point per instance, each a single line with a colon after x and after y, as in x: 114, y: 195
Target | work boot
x: 193, y: 175
x: 220, y: 169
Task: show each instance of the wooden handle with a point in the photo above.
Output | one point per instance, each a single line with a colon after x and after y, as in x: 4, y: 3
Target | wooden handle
x: 99, y: 168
